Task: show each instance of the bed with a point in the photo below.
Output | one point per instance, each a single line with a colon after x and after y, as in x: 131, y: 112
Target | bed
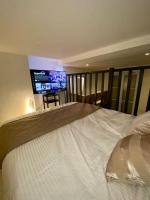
x: 69, y: 163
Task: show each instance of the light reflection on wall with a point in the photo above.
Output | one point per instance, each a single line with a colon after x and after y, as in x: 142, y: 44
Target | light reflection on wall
x: 30, y: 107
x: 36, y: 62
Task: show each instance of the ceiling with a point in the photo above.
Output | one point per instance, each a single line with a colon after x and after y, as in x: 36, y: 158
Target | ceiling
x: 127, y: 57
x: 67, y: 29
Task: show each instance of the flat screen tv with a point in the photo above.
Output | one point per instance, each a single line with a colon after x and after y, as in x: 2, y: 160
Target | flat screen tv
x: 47, y: 80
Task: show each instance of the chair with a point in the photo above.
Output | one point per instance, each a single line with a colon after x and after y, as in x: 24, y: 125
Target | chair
x: 51, y: 97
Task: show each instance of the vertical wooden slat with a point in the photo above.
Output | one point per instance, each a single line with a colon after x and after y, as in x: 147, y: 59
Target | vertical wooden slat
x: 69, y: 92
x: 66, y: 96
x: 76, y: 87
x: 85, y: 77
x: 119, y: 89
x: 96, y: 80
x: 102, y: 88
x: 81, y: 87
x: 138, y: 91
x: 90, y: 86
x: 128, y: 91
x: 110, y: 84
x: 73, y: 87
x: 148, y: 103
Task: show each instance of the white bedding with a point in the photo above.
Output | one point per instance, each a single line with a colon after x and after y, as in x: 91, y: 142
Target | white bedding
x: 69, y: 163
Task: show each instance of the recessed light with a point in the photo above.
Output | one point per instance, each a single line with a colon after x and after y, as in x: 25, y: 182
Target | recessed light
x: 147, y: 54
x: 87, y: 64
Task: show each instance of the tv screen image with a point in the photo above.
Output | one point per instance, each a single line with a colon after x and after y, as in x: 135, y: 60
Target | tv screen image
x: 45, y: 80
x: 38, y: 86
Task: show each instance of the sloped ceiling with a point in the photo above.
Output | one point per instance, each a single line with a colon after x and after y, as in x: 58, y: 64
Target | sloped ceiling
x: 67, y: 29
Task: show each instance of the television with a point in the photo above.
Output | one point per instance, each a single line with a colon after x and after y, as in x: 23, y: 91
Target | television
x: 44, y: 81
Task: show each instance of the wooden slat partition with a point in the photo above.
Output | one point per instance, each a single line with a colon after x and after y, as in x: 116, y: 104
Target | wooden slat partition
x: 128, y: 91
x: 66, y: 94
x: 90, y: 82
x: 96, y: 81
x: 69, y: 91
x: 102, y: 88
x: 76, y: 87
x: 81, y: 86
x: 72, y: 87
x: 85, y: 80
x: 110, y: 84
x: 138, y: 91
x: 119, y: 89
x: 85, y: 93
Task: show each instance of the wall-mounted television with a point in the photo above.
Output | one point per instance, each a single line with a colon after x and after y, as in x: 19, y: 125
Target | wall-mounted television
x: 47, y: 80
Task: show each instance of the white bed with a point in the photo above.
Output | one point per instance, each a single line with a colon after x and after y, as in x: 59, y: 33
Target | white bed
x: 69, y: 163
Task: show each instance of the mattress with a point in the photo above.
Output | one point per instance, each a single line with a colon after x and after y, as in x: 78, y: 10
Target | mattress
x: 69, y: 163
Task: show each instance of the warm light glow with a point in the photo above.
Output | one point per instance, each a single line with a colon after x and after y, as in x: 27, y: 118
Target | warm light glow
x: 147, y: 54
x: 29, y: 106
x: 87, y: 64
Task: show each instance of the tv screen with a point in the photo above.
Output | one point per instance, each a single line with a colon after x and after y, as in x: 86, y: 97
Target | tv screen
x: 45, y: 80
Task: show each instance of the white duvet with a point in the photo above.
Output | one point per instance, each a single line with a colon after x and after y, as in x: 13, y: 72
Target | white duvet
x: 69, y: 163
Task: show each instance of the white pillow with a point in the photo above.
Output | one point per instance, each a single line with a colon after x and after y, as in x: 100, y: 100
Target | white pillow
x: 141, y: 124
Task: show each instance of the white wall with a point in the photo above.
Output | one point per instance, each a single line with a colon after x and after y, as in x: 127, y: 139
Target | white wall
x: 36, y: 62
x: 16, y: 94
